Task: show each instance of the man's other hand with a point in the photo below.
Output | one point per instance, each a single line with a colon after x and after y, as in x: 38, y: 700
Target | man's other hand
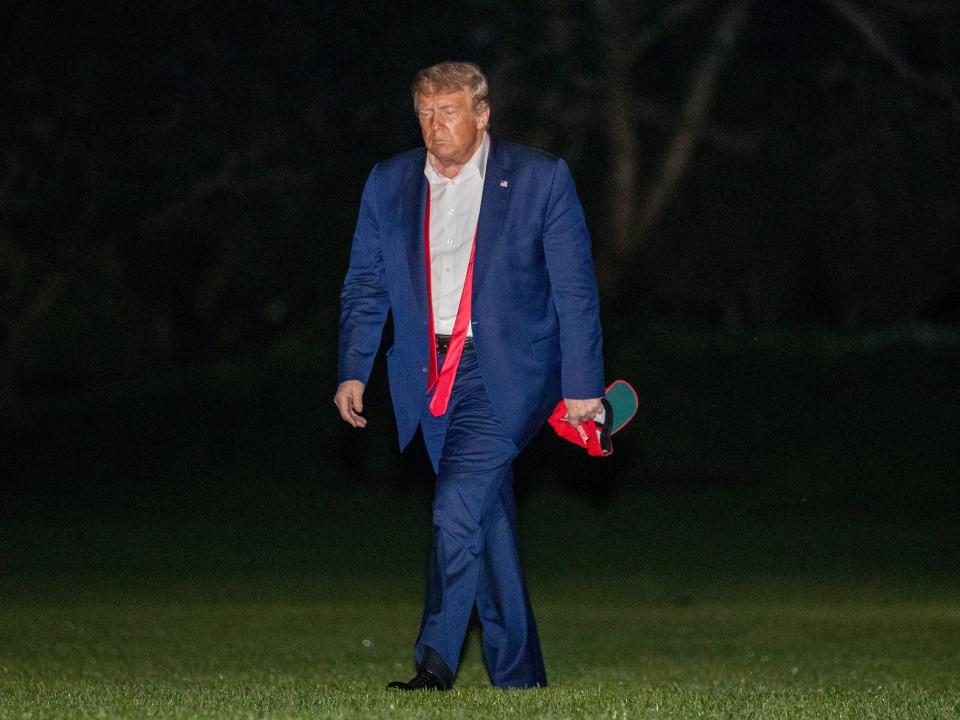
x: 580, y: 410
x: 349, y: 401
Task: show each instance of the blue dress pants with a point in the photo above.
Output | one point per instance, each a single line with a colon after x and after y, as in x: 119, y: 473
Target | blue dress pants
x: 474, y: 560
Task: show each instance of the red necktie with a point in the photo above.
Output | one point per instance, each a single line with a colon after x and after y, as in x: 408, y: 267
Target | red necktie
x: 443, y: 380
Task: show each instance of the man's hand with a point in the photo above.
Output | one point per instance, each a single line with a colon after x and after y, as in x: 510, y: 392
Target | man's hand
x: 349, y: 401
x: 580, y: 410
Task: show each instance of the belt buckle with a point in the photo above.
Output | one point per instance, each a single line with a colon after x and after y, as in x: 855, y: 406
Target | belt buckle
x: 443, y: 343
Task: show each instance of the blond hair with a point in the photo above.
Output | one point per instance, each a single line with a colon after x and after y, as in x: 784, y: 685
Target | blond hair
x: 449, y: 76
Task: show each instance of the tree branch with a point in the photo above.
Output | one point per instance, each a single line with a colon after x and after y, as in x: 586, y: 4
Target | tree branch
x: 675, y: 14
x: 693, y: 118
x: 657, y: 114
x: 621, y: 131
x: 886, y: 52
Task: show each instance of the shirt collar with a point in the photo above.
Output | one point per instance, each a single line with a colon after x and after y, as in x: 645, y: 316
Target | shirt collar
x: 477, y: 161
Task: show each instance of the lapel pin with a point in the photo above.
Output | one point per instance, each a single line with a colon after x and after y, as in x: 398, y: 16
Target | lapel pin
x: 504, y: 183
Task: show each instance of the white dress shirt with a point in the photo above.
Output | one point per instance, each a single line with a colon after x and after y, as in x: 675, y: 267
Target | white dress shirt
x: 454, y: 211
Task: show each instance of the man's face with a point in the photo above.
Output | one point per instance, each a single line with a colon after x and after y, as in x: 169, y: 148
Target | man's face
x: 452, y: 131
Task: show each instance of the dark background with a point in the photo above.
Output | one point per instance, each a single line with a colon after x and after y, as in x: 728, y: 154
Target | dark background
x: 772, y: 192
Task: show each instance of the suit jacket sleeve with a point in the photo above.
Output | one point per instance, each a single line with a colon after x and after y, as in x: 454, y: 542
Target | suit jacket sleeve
x: 566, y: 245
x: 363, y: 300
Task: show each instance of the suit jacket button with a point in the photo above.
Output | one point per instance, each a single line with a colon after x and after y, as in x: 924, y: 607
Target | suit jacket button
x: 423, y: 369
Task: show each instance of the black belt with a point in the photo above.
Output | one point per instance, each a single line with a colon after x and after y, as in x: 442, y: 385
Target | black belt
x: 443, y: 342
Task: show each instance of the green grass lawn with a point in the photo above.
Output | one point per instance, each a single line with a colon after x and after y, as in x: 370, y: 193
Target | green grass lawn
x: 775, y: 537
x: 251, y: 649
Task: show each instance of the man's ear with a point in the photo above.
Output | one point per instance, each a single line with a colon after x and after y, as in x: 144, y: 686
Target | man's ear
x: 483, y: 117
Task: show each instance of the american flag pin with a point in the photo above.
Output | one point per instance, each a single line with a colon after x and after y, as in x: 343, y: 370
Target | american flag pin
x: 504, y: 183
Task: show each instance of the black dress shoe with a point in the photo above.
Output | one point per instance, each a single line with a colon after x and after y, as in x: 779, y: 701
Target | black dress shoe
x: 424, y: 680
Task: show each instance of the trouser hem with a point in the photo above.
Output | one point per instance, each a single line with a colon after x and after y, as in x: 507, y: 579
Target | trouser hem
x: 432, y: 662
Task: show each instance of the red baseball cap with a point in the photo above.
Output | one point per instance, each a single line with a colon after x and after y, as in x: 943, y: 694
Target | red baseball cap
x: 596, y: 435
x: 589, y: 434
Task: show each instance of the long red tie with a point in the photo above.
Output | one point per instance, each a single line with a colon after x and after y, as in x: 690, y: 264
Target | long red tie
x: 443, y: 380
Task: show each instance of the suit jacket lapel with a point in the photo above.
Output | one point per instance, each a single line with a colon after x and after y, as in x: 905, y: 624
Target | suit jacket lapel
x: 497, y: 183
x: 414, y: 201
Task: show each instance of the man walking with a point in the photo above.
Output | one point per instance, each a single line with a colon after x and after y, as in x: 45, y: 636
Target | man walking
x: 480, y: 251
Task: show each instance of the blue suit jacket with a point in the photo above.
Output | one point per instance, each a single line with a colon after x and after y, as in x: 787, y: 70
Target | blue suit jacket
x: 535, y: 321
